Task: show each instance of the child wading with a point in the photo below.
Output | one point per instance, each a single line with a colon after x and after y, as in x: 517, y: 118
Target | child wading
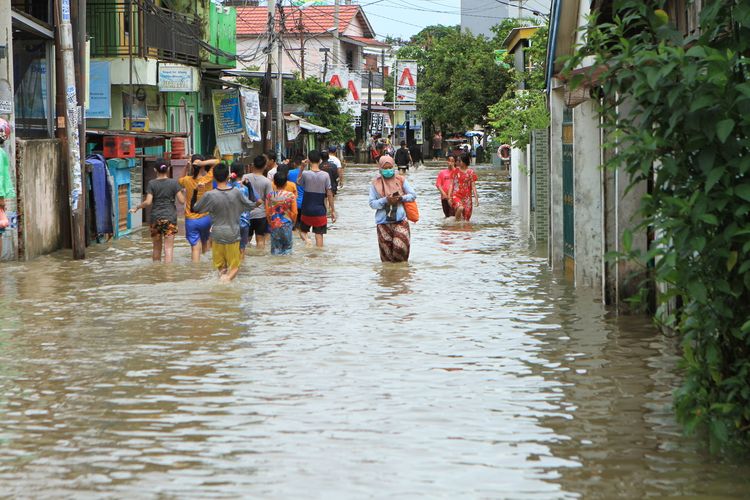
x: 160, y: 195
x: 258, y: 182
x: 388, y: 193
x: 463, y: 188
x: 235, y: 181
x: 225, y: 204
x: 317, y: 187
x: 443, y: 183
x: 281, y: 209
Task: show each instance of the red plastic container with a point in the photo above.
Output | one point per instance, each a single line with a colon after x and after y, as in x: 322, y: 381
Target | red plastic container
x: 116, y: 146
x: 178, y: 148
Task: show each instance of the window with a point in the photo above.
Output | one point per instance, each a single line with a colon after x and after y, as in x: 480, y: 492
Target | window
x: 32, y: 83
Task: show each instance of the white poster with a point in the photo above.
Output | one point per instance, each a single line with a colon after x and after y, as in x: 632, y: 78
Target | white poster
x: 177, y: 78
x: 251, y: 112
x: 339, y: 76
x: 406, y: 83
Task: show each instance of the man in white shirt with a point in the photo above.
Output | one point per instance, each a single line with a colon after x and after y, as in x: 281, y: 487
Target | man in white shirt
x: 336, y: 161
x: 271, y: 166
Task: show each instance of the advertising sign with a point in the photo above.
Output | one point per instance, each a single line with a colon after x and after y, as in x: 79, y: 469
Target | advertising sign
x: 251, y: 109
x: 100, y: 94
x: 176, y: 78
x: 227, y: 120
x: 339, y: 76
x: 406, y: 82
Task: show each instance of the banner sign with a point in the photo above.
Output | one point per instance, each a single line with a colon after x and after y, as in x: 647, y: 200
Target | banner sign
x: 251, y: 108
x: 339, y: 76
x: 406, y: 82
x: 176, y: 78
x: 227, y: 120
x: 100, y: 91
x: 377, y: 123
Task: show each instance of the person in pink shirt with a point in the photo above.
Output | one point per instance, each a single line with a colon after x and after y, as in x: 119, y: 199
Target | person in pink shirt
x: 443, y: 183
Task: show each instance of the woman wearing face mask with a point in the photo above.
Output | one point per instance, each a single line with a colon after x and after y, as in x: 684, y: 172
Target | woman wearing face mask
x: 388, y: 192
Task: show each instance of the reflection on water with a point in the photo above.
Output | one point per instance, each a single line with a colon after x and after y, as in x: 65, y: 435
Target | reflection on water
x: 471, y: 371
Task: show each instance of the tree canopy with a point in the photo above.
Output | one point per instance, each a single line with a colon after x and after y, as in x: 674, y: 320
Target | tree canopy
x: 322, y: 102
x: 458, y: 77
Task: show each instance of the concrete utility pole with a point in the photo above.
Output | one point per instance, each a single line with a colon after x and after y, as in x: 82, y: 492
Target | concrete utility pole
x: 268, y: 139
x: 336, y: 41
x: 76, y: 198
x: 368, y: 125
x: 280, y: 90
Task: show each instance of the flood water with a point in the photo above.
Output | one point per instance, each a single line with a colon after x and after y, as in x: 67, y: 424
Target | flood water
x: 471, y: 372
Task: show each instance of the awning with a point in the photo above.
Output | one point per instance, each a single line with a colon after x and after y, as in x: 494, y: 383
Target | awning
x: 306, y: 125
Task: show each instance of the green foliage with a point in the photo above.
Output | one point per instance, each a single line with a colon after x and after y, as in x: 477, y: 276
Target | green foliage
x: 523, y: 107
x: 689, y: 135
x: 458, y: 79
x: 323, y: 102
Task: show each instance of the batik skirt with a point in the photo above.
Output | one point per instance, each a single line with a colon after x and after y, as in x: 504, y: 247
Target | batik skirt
x: 394, y: 240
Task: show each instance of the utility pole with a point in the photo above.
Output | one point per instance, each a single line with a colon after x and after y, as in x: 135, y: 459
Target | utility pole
x: 72, y: 143
x: 336, y: 41
x: 130, y: 57
x: 267, y: 140
x: 366, y: 134
x: 280, y: 89
x: 325, y: 64
x: 301, y: 46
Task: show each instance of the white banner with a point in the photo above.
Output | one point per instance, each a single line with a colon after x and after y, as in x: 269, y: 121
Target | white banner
x: 178, y: 78
x: 339, y: 76
x: 406, y: 82
x: 251, y: 109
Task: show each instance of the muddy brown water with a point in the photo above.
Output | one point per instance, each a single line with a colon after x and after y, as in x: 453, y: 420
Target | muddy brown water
x: 471, y: 372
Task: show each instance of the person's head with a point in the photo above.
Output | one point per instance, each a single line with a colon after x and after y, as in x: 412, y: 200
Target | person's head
x: 162, y: 168
x: 4, y: 130
x: 297, y: 161
x: 271, y: 155
x: 283, y: 169
x: 279, y: 180
x: 464, y: 158
x: 332, y: 150
x: 313, y: 157
x: 237, y: 170
x: 451, y: 162
x: 386, y: 165
x: 221, y: 172
x: 196, y: 168
x: 259, y: 163
x: 324, y: 156
x: 403, y: 144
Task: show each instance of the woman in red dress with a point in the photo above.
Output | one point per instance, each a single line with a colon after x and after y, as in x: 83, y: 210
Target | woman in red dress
x: 463, y: 188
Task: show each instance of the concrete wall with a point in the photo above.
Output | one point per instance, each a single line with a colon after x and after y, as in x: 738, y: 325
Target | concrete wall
x: 589, y: 239
x: 556, y: 183
x: 43, y: 202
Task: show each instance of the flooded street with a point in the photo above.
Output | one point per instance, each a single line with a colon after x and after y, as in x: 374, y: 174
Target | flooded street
x: 471, y: 372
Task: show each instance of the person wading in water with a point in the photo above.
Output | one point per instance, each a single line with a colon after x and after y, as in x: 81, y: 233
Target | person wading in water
x: 388, y: 192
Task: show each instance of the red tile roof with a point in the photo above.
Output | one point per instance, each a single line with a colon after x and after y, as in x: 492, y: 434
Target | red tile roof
x: 369, y: 41
x: 315, y: 19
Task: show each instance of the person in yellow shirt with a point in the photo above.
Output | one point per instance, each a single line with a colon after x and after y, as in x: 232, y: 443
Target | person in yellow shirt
x: 198, y: 180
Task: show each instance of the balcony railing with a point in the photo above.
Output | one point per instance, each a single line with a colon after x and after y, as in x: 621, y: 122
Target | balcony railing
x: 377, y: 80
x: 155, y: 31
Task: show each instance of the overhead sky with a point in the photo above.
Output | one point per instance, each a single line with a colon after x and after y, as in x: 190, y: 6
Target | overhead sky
x: 403, y: 18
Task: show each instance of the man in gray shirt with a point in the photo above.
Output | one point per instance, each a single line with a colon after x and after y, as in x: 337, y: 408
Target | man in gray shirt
x: 225, y: 204
x: 262, y: 187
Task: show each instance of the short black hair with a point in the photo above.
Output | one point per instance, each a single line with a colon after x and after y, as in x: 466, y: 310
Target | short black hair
x: 259, y: 162
x: 195, y: 158
x: 314, y: 156
x: 283, y: 169
x: 279, y: 179
x: 324, y: 156
x: 162, y: 166
x: 271, y: 155
x: 465, y: 158
x: 238, y: 169
x: 403, y: 143
x: 298, y: 159
x: 221, y: 172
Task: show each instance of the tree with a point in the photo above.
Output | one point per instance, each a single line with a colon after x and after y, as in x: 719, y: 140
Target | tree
x: 322, y: 102
x: 458, y: 78
x: 523, y: 107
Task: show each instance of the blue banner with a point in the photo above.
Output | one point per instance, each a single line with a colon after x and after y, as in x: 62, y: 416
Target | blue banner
x: 100, y: 94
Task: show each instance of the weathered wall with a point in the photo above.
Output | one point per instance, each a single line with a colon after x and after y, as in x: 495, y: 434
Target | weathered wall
x: 589, y: 239
x: 541, y: 189
x: 42, y: 198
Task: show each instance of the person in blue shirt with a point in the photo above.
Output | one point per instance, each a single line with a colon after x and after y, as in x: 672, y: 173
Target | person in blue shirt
x: 235, y: 181
x: 293, y: 176
x: 388, y: 192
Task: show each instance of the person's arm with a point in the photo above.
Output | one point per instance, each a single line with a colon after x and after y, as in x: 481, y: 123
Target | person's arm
x: 203, y: 205
x: 181, y: 196
x: 439, y: 186
x: 293, y: 211
x: 409, y: 193
x: 247, y: 201
x: 208, y: 164
x: 329, y: 194
x: 377, y: 202
x: 147, y: 202
x: 269, y: 212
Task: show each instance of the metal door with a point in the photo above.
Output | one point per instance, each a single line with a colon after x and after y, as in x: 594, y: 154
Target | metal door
x: 568, y: 194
